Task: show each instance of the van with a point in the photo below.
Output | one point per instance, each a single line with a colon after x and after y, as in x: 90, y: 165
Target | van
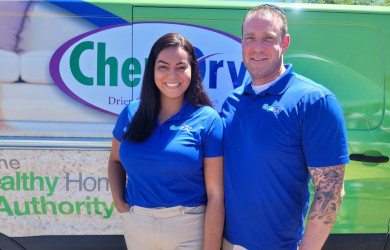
x: 67, y: 68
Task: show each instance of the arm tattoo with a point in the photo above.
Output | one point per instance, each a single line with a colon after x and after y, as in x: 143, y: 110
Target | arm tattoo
x: 328, y: 184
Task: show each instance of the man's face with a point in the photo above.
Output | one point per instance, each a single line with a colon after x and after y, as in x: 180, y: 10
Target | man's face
x: 263, y: 47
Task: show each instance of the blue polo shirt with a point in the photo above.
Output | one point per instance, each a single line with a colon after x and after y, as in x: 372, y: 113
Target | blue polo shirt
x: 167, y: 169
x: 270, y: 140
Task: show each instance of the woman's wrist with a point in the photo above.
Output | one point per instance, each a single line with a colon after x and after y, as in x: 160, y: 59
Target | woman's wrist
x: 122, y: 206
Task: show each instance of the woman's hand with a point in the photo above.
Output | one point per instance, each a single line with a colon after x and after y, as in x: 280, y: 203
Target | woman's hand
x: 122, y: 206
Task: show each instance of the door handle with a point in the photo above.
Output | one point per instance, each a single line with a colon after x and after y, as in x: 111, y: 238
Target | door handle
x: 366, y: 158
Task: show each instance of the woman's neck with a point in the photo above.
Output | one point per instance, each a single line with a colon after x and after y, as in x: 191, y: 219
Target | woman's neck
x: 169, y: 108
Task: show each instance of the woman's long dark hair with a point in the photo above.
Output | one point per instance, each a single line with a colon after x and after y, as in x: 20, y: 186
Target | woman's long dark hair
x: 143, y: 122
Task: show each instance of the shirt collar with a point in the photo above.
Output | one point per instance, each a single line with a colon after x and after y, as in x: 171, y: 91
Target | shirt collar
x: 279, y: 86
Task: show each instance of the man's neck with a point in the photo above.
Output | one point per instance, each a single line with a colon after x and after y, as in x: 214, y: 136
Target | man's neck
x: 270, y: 78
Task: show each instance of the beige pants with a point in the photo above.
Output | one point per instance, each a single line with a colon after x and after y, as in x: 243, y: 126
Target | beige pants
x: 226, y: 245
x: 164, y: 228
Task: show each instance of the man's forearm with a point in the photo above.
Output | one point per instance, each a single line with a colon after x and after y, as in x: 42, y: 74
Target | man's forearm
x: 329, y: 192
x: 318, y: 227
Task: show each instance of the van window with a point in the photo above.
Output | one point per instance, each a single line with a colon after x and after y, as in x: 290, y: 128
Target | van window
x: 347, y: 58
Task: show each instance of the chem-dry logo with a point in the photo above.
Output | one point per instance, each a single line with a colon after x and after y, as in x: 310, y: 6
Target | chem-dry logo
x: 103, y: 68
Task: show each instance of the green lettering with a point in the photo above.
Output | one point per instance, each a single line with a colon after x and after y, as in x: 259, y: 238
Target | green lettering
x: 33, y: 179
x: 108, y: 210
x: 25, y: 179
x: 62, y: 210
x: 8, y: 183
x: 26, y: 209
x: 51, y: 186
x: 131, y: 67
x: 88, y: 205
x: 79, y: 204
x: 75, y: 63
x: 35, y: 204
x: 44, y: 204
x: 7, y: 208
x: 17, y: 181
x: 112, y: 62
x: 96, y: 204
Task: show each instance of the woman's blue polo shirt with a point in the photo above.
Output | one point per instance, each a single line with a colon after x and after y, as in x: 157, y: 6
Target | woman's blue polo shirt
x: 167, y: 169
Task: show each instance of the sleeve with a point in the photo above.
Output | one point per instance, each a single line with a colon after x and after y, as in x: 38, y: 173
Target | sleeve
x: 121, y: 124
x: 324, y: 136
x: 213, y: 143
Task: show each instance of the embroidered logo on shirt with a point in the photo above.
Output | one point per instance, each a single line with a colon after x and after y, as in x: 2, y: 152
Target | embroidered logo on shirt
x: 181, y: 127
x: 275, y: 109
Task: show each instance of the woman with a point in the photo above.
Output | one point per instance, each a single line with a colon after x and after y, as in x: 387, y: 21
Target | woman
x: 169, y: 143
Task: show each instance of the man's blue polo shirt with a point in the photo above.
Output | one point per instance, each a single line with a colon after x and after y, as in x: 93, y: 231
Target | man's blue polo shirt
x: 270, y: 140
x: 167, y: 169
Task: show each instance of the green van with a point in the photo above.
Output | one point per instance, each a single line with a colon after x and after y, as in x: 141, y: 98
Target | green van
x: 67, y: 68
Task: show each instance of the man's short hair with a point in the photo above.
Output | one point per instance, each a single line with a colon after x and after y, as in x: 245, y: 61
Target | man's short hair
x: 271, y: 9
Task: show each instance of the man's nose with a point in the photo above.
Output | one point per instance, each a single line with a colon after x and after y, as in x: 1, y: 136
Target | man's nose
x: 258, y: 46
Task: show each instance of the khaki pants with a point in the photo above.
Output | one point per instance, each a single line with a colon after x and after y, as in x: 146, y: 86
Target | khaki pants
x: 226, y: 245
x: 164, y: 228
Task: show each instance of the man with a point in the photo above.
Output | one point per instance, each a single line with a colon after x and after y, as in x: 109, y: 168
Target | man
x: 280, y: 130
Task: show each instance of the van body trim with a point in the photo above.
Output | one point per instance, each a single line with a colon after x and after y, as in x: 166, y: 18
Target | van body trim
x: 56, y: 143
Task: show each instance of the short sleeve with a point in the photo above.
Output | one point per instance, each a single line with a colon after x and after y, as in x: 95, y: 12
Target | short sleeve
x: 122, y: 123
x: 213, y: 143
x: 324, y: 137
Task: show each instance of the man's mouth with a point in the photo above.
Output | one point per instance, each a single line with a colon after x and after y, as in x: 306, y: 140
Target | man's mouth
x: 258, y: 59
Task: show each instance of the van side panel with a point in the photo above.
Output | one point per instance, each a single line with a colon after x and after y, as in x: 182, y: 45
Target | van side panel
x: 67, y: 68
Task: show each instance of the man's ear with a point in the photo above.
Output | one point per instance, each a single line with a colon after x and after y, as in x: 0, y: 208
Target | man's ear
x: 285, y: 43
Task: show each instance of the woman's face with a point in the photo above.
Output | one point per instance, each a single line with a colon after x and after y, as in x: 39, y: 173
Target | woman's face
x: 172, y: 73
